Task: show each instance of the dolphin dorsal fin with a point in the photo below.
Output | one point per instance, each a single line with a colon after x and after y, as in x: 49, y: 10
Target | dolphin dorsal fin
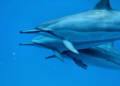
x: 103, y: 5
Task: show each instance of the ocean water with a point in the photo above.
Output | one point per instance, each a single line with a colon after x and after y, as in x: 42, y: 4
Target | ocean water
x: 26, y: 65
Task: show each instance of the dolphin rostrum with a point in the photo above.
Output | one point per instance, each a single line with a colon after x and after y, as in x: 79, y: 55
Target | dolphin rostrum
x: 105, y: 56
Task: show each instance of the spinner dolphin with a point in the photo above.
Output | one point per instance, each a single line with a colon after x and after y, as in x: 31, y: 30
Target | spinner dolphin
x: 105, y: 56
x: 56, y: 45
x: 100, y: 24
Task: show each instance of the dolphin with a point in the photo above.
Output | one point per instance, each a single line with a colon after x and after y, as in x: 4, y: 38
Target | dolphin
x: 56, y: 45
x: 102, y: 23
x: 105, y: 56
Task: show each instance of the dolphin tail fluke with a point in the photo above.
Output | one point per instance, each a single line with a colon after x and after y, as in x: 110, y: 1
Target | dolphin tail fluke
x: 70, y: 46
x: 29, y: 43
x: 58, y: 55
x: 80, y: 63
x: 30, y: 31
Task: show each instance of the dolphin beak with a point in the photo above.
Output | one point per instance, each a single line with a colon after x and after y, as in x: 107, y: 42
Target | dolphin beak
x: 29, y: 43
x: 30, y: 31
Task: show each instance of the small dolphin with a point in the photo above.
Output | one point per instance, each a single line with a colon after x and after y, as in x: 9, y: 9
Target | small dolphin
x: 57, y: 46
x: 100, y: 24
x: 105, y: 56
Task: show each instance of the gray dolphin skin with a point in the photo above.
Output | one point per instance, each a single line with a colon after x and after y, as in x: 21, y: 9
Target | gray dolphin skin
x: 105, y: 56
x: 100, y: 24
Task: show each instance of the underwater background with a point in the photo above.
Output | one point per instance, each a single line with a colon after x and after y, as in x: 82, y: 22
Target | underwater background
x: 26, y: 65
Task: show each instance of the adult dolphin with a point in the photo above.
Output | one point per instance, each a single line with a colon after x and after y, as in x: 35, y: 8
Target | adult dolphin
x: 100, y: 24
x: 105, y: 56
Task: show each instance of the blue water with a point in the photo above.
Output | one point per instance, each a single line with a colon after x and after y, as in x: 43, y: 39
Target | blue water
x: 25, y: 65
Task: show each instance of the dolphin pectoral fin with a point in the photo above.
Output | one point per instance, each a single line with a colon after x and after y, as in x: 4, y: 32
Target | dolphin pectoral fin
x: 30, y: 31
x: 53, y: 56
x: 58, y: 55
x: 80, y: 63
x: 70, y: 46
x: 29, y: 43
